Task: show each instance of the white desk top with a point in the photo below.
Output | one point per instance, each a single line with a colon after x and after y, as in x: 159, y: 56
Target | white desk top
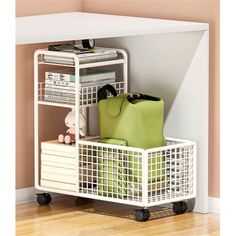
x: 80, y: 25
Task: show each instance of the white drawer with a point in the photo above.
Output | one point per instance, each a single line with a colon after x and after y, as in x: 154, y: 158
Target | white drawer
x: 57, y: 170
x: 56, y: 164
x: 57, y: 148
x: 58, y: 159
x: 58, y: 177
x: 58, y: 185
x: 57, y: 153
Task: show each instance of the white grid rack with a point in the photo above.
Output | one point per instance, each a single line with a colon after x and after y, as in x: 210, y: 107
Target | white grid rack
x: 83, y: 97
x: 88, y: 95
x: 137, y: 176
x: 109, y: 172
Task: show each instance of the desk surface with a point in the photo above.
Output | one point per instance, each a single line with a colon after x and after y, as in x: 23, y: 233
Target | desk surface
x: 80, y: 25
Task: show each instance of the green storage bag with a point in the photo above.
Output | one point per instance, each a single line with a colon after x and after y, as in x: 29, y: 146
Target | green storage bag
x: 129, y: 120
x: 118, y: 176
x: 137, y: 119
x: 112, y: 175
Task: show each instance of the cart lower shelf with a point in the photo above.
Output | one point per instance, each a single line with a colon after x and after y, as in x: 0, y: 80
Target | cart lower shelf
x: 120, y: 174
x: 141, y: 214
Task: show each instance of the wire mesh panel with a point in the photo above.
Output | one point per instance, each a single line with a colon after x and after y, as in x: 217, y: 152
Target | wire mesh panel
x: 88, y: 95
x: 117, y: 172
x: 111, y: 172
x: 170, y: 173
x: 61, y: 94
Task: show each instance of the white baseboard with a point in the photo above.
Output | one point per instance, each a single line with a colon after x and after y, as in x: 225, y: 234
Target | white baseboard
x: 24, y: 195
x: 213, y: 205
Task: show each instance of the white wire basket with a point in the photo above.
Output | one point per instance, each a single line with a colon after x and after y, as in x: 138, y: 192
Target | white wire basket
x: 88, y: 95
x: 95, y: 170
x: 122, y: 174
x: 137, y: 176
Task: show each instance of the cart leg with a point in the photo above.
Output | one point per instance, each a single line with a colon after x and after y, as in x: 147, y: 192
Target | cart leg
x: 142, y: 214
x: 180, y: 207
x: 44, y: 198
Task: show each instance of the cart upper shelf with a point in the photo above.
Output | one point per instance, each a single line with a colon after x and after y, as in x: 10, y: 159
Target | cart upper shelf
x: 80, y: 25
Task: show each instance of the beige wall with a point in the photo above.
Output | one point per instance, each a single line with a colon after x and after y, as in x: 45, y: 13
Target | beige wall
x: 193, y: 10
x: 38, y: 7
x: 25, y: 91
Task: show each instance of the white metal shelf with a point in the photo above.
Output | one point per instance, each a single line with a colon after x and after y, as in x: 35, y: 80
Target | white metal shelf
x: 55, y: 64
x: 87, y: 95
x: 56, y: 104
x: 83, y: 97
x: 120, y: 59
x: 88, y: 65
x: 102, y: 63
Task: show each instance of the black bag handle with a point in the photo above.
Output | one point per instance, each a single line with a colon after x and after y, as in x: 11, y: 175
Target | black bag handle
x: 102, y: 92
x: 136, y: 96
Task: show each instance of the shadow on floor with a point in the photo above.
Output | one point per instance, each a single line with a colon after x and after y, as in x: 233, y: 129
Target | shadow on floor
x: 118, y: 210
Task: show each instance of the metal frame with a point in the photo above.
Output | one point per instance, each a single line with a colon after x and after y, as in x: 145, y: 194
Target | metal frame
x: 144, y: 155
x: 37, y: 101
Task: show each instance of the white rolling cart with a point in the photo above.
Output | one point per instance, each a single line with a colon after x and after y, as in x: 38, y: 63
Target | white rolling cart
x: 90, y: 169
x: 176, y: 67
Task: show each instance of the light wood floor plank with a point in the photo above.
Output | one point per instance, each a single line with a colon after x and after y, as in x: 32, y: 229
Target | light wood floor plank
x: 68, y: 217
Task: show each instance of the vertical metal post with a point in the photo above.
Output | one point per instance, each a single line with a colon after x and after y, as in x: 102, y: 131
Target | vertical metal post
x: 145, y: 178
x: 125, y: 70
x: 36, y: 138
x: 194, y: 160
x: 77, y: 110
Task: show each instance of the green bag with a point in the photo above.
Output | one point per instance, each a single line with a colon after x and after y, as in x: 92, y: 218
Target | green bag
x: 128, y: 120
x: 117, y: 177
x: 137, y: 119
x: 112, y: 175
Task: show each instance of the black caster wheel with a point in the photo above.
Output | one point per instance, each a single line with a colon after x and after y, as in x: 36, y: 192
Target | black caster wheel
x: 44, y: 198
x: 180, y: 207
x: 142, y: 215
x: 88, y: 43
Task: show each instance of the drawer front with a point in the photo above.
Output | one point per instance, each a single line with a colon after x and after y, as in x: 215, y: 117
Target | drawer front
x: 57, y: 147
x: 58, y: 177
x: 56, y: 164
x: 57, y: 170
x: 57, y: 153
x: 58, y: 159
x: 58, y: 185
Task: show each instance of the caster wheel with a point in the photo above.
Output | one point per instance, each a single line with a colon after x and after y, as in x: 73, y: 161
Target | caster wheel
x: 88, y: 43
x: 142, y: 215
x: 180, y: 207
x: 44, y: 198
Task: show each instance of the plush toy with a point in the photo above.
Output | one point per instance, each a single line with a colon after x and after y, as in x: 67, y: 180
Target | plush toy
x: 70, y: 123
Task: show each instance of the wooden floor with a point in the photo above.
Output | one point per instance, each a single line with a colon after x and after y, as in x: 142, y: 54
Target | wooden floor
x: 67, y: 216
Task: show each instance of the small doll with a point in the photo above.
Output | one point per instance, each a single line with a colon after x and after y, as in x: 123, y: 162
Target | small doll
x: 69, y: 138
